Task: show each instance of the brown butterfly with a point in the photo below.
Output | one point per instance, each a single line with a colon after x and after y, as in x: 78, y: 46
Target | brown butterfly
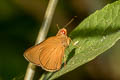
x: 49, y: 53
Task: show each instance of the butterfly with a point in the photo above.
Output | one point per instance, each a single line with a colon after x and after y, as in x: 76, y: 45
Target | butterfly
x: 49, y: 54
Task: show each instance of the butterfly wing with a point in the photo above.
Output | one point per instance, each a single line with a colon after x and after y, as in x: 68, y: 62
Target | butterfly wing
x: 32, y: 54
x: 48, y: 54
x: 51, y: 58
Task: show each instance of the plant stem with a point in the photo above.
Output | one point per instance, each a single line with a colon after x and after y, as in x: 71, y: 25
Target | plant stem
x: 42, y: 35
x: 46, y: 76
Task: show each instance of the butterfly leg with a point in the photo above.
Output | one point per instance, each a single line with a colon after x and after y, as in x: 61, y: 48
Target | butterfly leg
x: 74, y: 43
x: 64, y: 60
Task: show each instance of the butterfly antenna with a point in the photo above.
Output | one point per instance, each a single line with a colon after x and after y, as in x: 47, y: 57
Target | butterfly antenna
x: 58, y: 27
x: 70, y: 21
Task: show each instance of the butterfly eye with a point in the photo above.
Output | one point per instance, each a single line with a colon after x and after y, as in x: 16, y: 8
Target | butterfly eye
x: 63, y: 31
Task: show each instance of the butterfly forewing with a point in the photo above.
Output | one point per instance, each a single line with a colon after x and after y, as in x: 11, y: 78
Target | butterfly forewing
x: 48, y: 54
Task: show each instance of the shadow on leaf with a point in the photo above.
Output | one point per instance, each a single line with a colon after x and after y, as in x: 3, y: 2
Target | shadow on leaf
x: 94, y: 32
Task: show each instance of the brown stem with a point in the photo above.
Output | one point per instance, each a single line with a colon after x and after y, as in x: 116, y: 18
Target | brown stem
x: 42, y: 35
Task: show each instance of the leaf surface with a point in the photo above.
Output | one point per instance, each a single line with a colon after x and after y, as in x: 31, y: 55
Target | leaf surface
x: 96, y: 34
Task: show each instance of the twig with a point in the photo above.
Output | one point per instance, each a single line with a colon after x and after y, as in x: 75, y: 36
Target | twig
x: 42, y: 35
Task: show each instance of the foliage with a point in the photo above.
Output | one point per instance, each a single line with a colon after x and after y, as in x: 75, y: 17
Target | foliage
x: 94, y: 35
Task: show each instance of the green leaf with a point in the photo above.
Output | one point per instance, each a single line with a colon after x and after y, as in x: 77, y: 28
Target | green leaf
x: 94, y: 35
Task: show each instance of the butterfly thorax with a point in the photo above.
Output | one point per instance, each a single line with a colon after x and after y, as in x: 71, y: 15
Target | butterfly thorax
x: 64, y: 40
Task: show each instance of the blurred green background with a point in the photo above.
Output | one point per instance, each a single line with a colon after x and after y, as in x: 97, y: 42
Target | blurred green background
x: 20, y: 21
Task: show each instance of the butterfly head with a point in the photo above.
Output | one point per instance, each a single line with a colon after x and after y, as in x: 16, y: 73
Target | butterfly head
x: 62, y: 31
